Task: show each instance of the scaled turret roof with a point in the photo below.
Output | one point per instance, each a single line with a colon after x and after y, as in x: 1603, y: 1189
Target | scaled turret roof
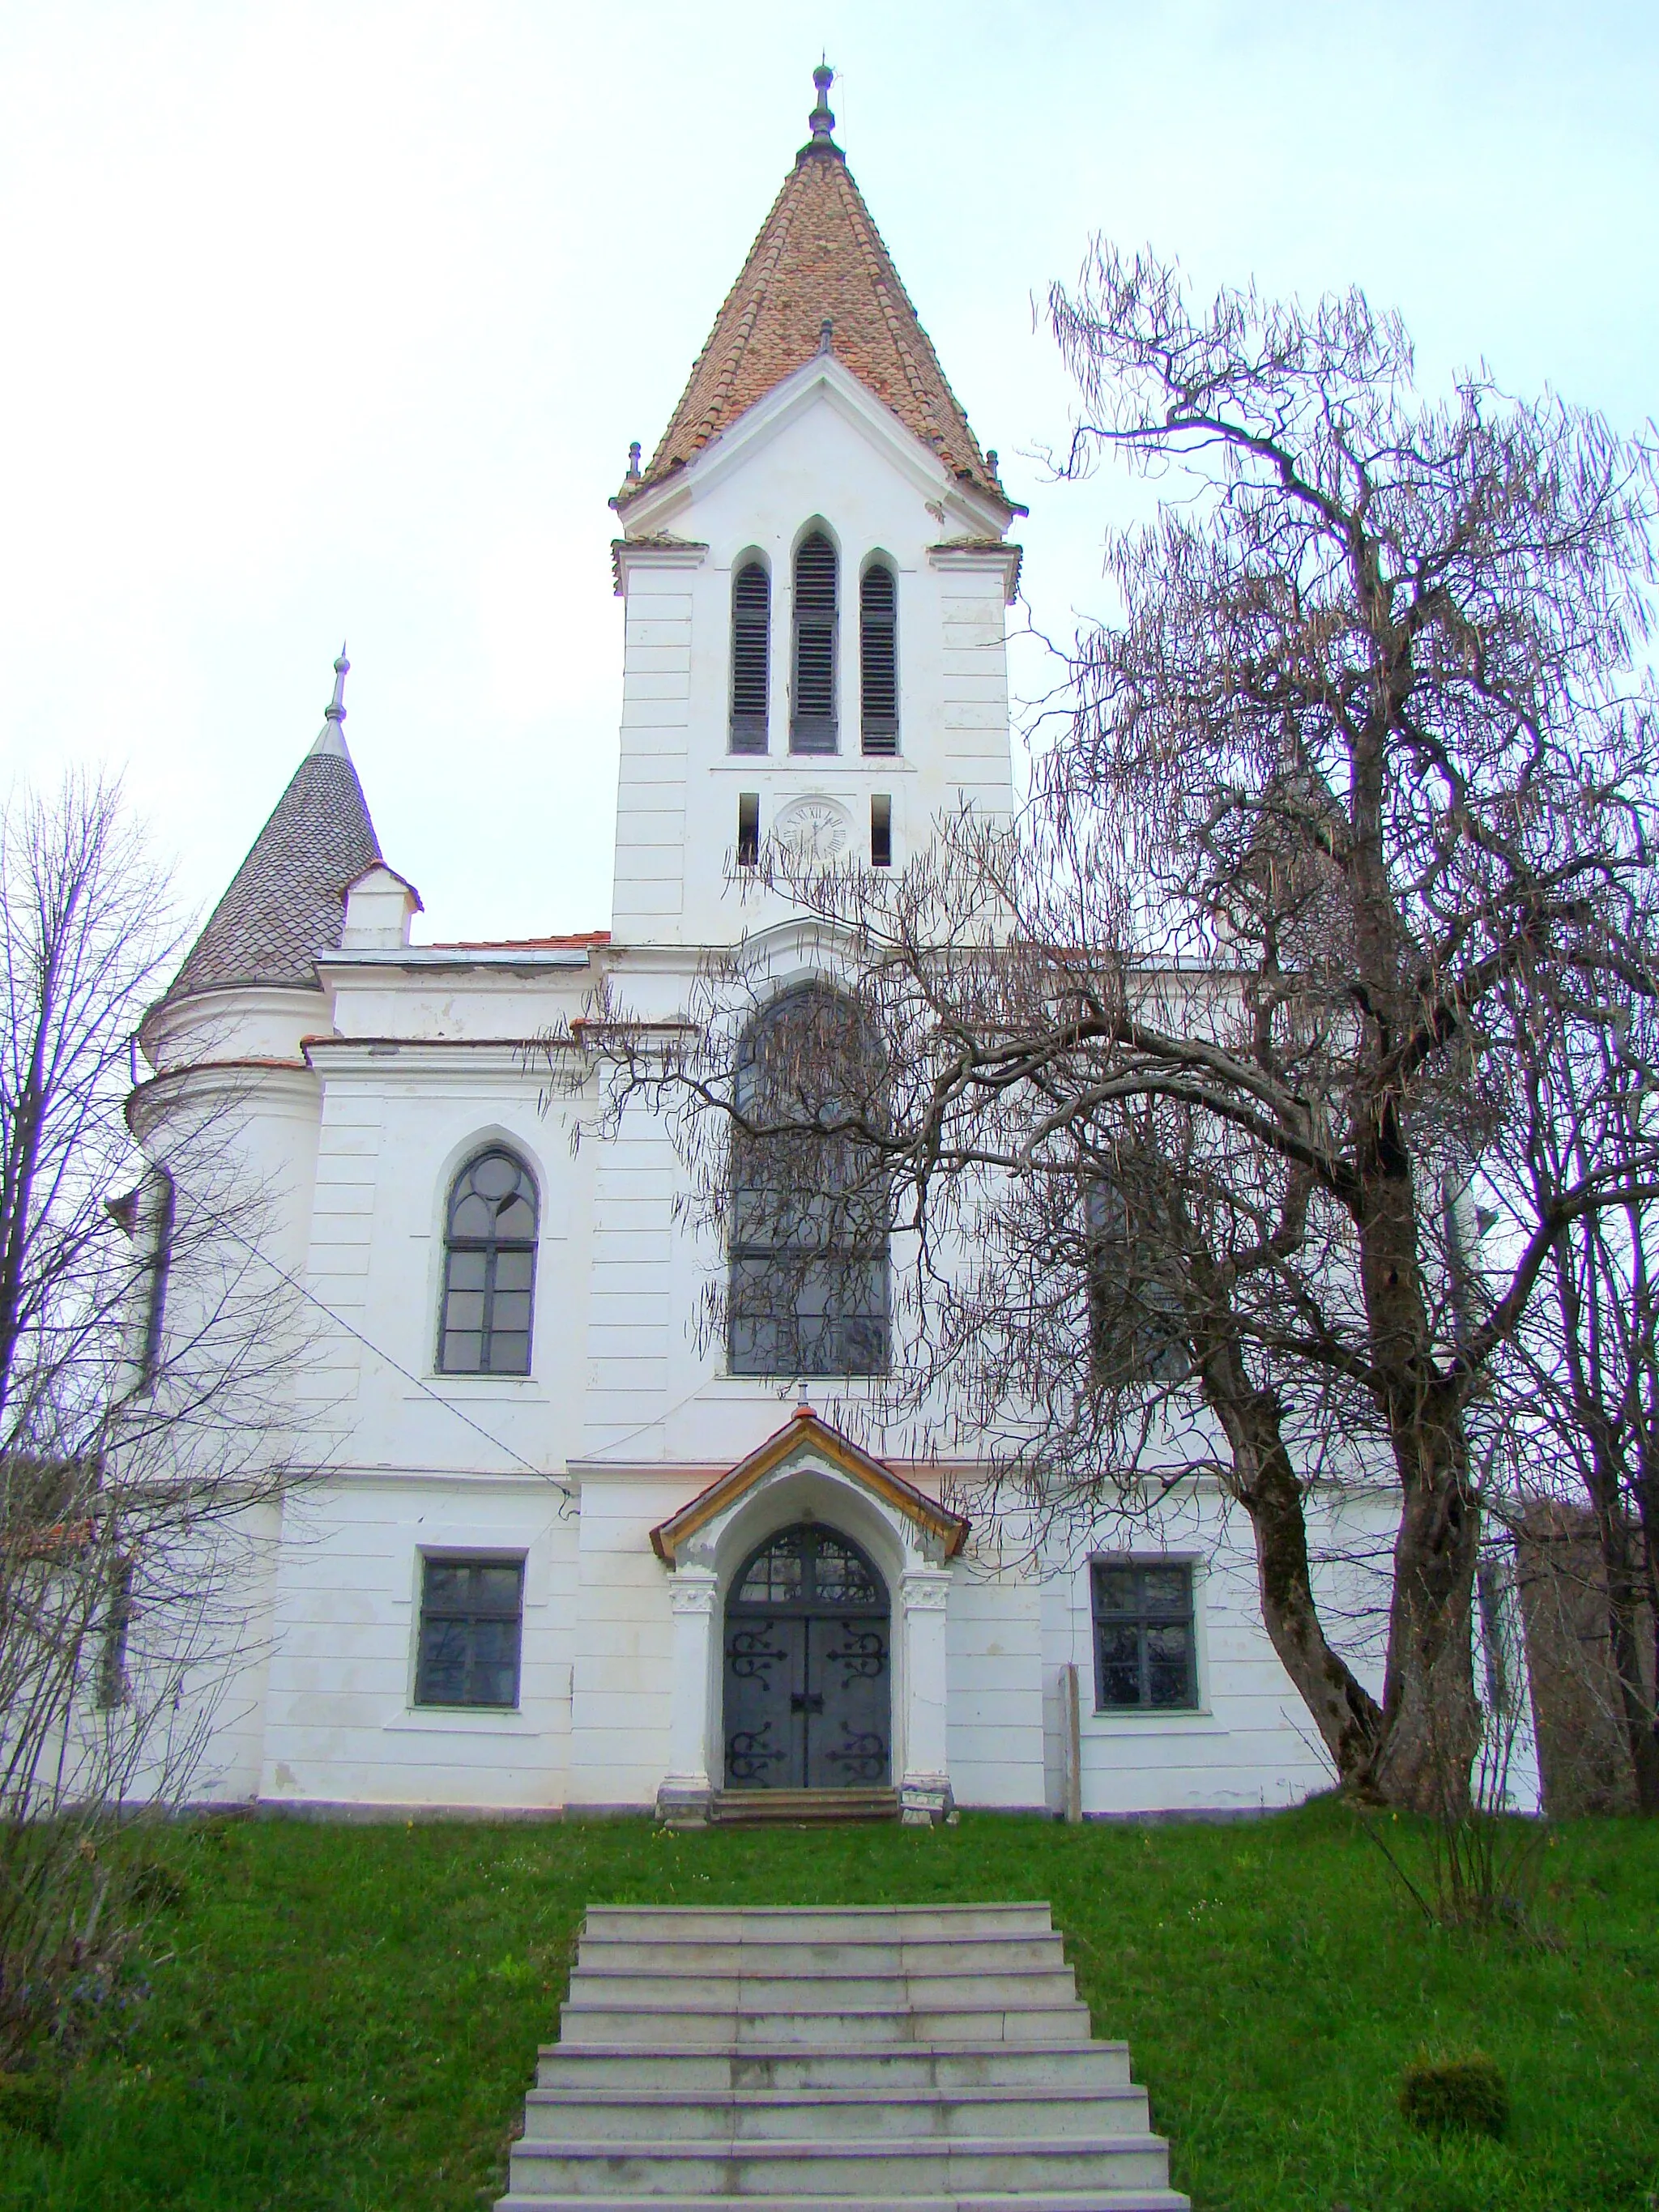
x: 286, y: 903
x: 819, y: 275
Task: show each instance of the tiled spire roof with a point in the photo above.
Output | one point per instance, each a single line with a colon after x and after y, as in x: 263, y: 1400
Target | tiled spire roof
x: 818, y: 263
x: 286, y: 902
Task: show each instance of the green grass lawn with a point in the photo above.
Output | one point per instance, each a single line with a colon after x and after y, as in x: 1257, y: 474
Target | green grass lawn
x: 347, y: 2017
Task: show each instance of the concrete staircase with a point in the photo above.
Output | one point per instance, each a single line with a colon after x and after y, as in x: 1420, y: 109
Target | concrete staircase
x: 845, y: 2059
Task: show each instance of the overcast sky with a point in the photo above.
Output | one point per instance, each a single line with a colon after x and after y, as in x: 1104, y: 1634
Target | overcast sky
x: 337, y: 320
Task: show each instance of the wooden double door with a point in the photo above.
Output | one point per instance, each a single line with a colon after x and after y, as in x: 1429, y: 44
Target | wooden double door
x: 809, y: 1701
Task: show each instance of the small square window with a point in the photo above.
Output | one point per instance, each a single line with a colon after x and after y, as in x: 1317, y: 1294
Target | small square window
x: 1146, y: 1656
x: 472, y: 1625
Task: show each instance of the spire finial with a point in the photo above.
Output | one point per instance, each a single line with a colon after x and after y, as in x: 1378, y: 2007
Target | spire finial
x: 335, y: 711
x: 821, y: 121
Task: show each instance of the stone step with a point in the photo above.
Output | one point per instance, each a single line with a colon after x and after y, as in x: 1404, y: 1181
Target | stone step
x: 771, y: 1808
x: 835, y: 2058
x: 830, y: 1923
x: 1076, y: 2066
x: 583, y: 2113
x: 900, y: 2170
x: 1069, y: 2200
x: 779, y: 1954
x: 653, y: 2025
x: 825, y: 1988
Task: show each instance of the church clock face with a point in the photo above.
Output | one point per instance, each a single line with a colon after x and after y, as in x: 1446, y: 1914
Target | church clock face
x: 815, y: 827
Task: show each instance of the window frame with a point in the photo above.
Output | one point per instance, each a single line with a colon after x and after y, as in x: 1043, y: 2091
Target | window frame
x: 492, y: 1247
x: 1141, y: 1617
x: 450, y: 1557
x: 749, y: 734
x: 815, y: 734
x: 878, y: 734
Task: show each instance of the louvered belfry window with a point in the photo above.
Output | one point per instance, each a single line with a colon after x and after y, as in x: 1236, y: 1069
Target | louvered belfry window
x: 813, y: 726
x: 751, y: 633
x: 879, y: 658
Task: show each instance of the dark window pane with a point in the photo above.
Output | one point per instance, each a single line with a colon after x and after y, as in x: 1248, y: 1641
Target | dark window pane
x: 1143, y: 1649
x: 1116, y: 1588
x: 516, y: 1221
x: 510, y: 1353
x: 462, y: 1352
x: 468, y: 1270
x: 1165, y: 1589
x: 512, y: 1272
x: 470, y: 1632
x: 465, y: 1310
x: 473, y: 1217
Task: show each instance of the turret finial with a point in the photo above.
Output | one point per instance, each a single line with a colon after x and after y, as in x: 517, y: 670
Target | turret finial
x: 633, y: 462
x: 330, y: 739
x: 821, y: 121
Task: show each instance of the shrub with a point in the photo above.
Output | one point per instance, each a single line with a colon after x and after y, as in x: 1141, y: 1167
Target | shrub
x: 1445, y: 2096
x: 30, y: 2103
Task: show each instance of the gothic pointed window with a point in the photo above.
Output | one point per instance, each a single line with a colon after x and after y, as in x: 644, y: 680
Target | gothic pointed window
x: 807, y: 1292
x: 751, y: 655
x: 490, y: 1268
x: 879, y: 658
x: 812, y: 723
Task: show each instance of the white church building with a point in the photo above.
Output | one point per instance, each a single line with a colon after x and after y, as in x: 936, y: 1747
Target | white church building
x: 567, y: 1555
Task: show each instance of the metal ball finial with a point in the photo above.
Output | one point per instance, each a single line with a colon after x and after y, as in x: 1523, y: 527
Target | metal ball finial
x: 821, y: 121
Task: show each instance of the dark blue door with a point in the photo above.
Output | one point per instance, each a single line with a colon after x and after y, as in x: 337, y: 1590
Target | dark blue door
x: 808, y: 1678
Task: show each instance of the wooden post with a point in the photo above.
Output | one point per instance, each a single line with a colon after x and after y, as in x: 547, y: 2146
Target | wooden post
x: 1071, y: 1722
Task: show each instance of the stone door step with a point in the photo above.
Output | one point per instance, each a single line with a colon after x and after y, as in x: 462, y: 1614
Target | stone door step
x: 771, y: 1808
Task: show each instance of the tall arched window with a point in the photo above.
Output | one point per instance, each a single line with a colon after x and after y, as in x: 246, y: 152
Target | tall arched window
x: 879, y: 658
x: 808, y: 1286
x: 812, y: 722
x: 490, y: 1268
x: 752, y: 654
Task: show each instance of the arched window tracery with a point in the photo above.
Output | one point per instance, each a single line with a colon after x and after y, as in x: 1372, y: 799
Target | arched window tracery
x: 489, y: 1267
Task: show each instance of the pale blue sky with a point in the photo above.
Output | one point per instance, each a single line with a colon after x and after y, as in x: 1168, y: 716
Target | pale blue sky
x: 328, y: 319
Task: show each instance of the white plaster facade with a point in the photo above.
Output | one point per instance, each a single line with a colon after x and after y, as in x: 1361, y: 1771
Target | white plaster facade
x: 363, y: 1095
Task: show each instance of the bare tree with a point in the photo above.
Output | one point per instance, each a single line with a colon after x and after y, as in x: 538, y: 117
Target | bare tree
x: 1578, y: 1387
x: 145, y: 1352
x: 1169, y: 1083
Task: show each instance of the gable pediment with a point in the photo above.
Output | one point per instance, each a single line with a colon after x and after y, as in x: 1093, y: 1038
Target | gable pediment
x: 807, y: 1439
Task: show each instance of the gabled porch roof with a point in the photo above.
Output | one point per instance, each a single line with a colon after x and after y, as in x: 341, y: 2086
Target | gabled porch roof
x: 807, y: 1430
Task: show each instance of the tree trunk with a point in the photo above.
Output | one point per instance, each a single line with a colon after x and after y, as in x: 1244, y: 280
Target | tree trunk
x: 1347, y: 1716
x: 1624, y: 1613
x: 1430, y: 1715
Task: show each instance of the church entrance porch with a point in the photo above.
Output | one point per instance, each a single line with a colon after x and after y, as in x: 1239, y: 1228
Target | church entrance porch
x: 808, y: 1677
x: 808, y: 1586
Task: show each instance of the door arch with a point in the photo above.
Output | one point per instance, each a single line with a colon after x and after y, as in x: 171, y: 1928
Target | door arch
x: 808, y: 1672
